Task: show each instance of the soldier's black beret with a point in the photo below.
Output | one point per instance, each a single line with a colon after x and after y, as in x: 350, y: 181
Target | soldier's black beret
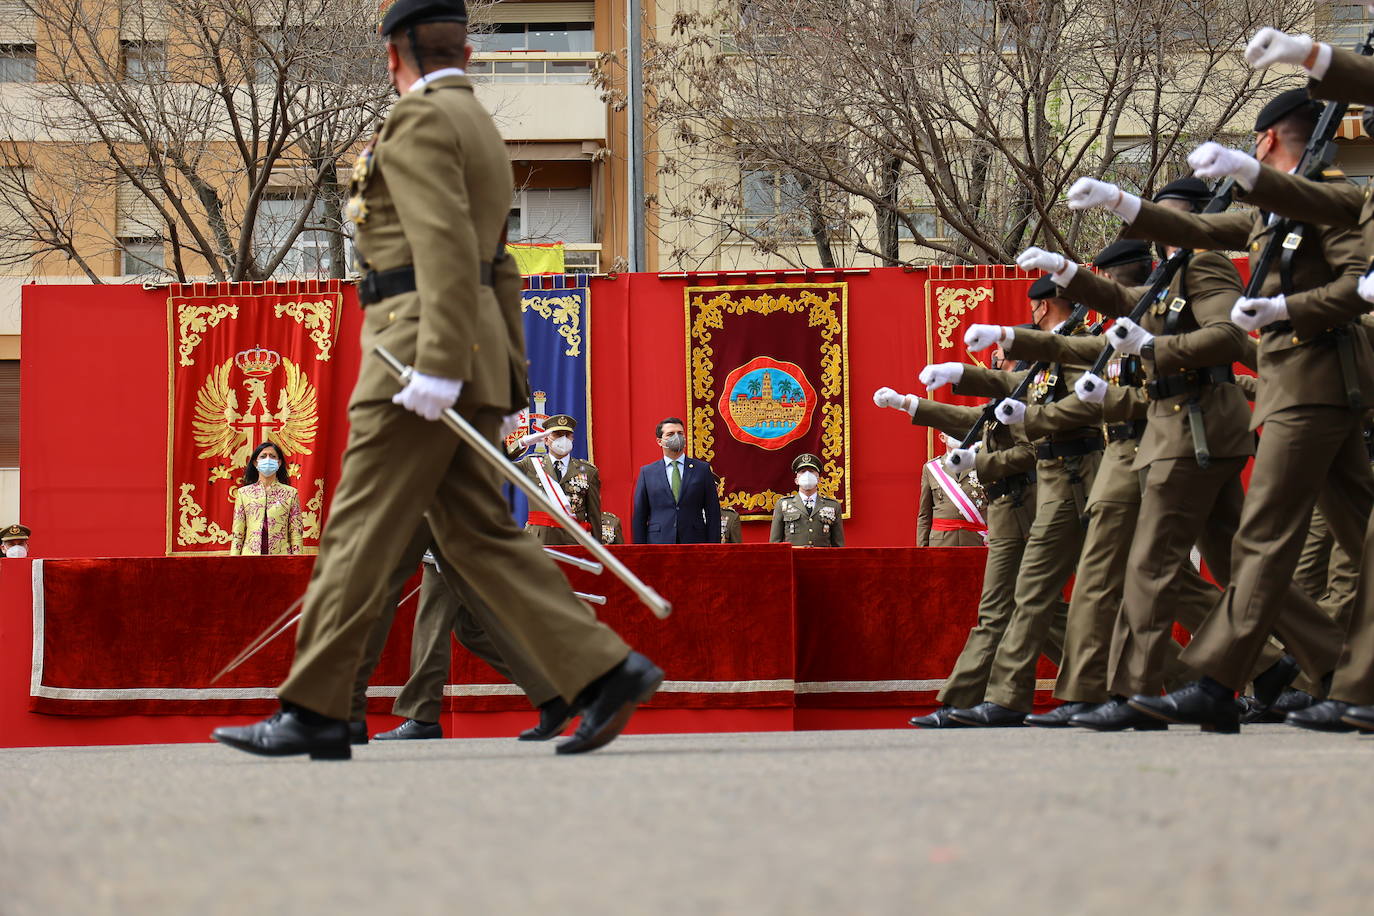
x: 1126, y: 251
x: 1192, y: 189
x: 1283, y: 105
x: 416, y: 12
x: 1043, y: 288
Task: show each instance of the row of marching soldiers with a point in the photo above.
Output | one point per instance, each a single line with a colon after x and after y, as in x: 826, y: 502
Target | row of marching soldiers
x: 1113, y: 479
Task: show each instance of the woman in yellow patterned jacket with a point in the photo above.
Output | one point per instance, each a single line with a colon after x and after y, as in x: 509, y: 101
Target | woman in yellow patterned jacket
x: 267, y: 512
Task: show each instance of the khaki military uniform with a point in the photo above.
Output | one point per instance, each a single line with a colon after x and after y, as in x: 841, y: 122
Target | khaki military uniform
x: 1350, y: 78
x: 447, y: 605
x: 936, y: 506
x: 581, y: 485
x: 730, y: 532
x: 431, y: 195
x: 1181, y: 501
x: 1005, y: 464
x: 1066, y: 465
x: 794, y: 524
x: 611, y: 530
x: 1312, y: 448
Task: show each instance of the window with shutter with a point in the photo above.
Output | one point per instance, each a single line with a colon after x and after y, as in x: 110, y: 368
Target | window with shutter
x: 557, y: 215
x: 136, y: 215
x: 16, y: 23
x: 9, y: 413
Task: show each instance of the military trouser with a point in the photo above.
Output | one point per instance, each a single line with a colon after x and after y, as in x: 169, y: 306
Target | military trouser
x: 446, y: 606
x: 968, y: 681
x: 1095, y: 601
x: 1304, y: 454
x: 1180, y: 500
x: 397, y: 469
x: 1331, y: 576
x: 1050, y: 558
x: 1315, y: 559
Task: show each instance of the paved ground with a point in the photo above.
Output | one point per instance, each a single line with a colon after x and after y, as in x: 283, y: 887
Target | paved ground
x: 1014, y: 821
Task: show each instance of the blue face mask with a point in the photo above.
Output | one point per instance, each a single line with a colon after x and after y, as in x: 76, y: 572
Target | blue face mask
x: 268, y: 466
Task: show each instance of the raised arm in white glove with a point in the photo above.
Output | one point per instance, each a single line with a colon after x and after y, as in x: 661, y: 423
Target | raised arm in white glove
x: 1366, y: 287
x: 1011, y: 411
x: 981, y: 336
x: 1128, y: 337
x: 428, y: 395
x: 1252, y: 314
x: 1270, y: 47
x: 937, y: 375
x: 1091, y: 389
x: 527, y: 441
x: 1087, y: 193
x: 888, y: 397
x: 1060, y: 268
x: 959, y: 461
x: 1212, y: 160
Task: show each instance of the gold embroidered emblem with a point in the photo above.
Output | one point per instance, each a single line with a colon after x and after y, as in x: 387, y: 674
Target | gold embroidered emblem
x: 221, y: 430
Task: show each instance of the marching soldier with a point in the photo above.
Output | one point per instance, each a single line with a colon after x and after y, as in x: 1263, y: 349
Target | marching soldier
x: 1005, y: 462
x: 806, y: 518
x: 951, y: 513
x: 611, y: 530
x: 1312, y: 365
x: 1193, y: 448
x: 1066, y: 463
x: 429, y: 198
x: 579, y: 480
x: 730, y: 532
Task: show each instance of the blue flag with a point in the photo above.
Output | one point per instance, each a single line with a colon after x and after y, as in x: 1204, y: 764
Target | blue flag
x: 557, y: 316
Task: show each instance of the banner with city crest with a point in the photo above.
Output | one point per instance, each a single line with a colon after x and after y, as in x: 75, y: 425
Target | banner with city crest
x: 244, y: 369
x: 768, y: 380
x: 557, y: 315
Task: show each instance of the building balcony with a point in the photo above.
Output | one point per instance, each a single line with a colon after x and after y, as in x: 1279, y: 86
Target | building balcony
x: 541, y: 96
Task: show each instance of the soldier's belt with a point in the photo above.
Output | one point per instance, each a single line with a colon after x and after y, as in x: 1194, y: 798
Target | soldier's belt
x: 1014, y: 485
x: 1070, y: 448
x: 544, y: 520
x: 1124, y: 432
x: 377, y: 285
x: 1189, y: 382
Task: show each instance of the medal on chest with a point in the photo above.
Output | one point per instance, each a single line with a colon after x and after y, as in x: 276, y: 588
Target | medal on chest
x: 356, y: 208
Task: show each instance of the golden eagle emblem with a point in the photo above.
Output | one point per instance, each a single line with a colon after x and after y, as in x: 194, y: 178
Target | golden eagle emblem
x: 222, y: 431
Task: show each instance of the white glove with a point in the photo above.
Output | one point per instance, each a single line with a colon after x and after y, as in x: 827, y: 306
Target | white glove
x: 1212, y: 160
x: 1128, y: 337
x: 1270, y: 47
x: 1087, y: 193
x: 1252, y: 314
x: 1366, y: 287
x: 1039, y: 259
x: 527, y: 441
x: 888, y: 397
x: 1091, y: 389
x: 959, y: 461
x: 981, y: 336
x: 428, y: 395
x: 1011, y: 411
x: 510, y: 423
x: 938, y: 375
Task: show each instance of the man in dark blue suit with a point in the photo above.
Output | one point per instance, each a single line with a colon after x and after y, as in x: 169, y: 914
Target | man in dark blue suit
x: 675, y: 497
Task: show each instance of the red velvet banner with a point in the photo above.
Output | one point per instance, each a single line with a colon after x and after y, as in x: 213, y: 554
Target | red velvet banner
x: 768, y: 370
x: 247, y: 366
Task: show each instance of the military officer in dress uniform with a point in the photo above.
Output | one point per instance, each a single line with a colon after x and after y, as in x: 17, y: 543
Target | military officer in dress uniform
x: 15, y: 541
x: 729, y: 519
x: 612, y: 532
x: 429, y: 197
x: 579, y: 480
x: 806, y: 518
x: 1316, y: 372
x: 952, y: 509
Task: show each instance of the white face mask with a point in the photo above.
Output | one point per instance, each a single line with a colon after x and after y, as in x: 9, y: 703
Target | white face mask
x: 17, y: 551
x: 808, y: 480
x: 561, y: 447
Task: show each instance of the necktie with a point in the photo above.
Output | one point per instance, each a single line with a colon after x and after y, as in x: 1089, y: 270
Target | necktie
x: 677, y: 481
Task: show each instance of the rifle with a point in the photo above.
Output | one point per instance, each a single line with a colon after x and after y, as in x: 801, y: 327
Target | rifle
x: 1164, y: 274
x: 1074, y: 321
